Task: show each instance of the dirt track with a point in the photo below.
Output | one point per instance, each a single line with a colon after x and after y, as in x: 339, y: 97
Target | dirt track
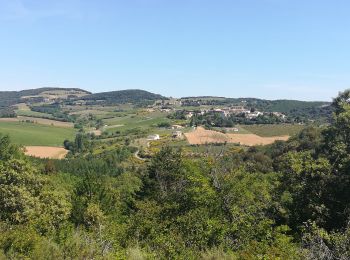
x: 203, y: 136
x: 46, y: 152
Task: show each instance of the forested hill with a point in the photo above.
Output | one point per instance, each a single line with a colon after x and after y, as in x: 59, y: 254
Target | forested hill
x: 123, y: 96
x: 313, y: 110
x: 8, y: 98
x: 285, y: 106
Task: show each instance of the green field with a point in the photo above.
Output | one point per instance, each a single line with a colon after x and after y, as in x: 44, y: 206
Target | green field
x: 273, y: 130
x: 35, y: 134
x: 146, y: 122
x: 33, y: 114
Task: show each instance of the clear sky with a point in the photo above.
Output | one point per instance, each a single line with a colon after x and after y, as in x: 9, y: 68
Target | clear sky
x: 295, y: 49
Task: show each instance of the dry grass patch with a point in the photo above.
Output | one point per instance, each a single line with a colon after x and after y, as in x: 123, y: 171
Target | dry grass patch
x: 46, y: 152
x: 203, y: 136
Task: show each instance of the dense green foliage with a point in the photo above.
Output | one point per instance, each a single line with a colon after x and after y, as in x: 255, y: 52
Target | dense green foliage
x: 289, y: 200
x: 54, y: 110
x: 7, y: 112
x: 212, y: 119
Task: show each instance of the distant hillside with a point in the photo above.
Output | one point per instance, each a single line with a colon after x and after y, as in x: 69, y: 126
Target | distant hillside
x: 135, y: 96
x: 9, y: 98
x: 315, y: 110
x: 123, y: 96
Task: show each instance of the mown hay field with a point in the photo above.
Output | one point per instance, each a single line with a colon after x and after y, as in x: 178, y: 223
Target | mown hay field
x: 203, y: 136
x: 46, y: 152
x: 36, y: 134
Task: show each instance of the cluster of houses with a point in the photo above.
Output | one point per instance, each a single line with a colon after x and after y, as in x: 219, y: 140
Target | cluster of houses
x: 224, y: 112
x: 168, y: 106
x: 233, y: 110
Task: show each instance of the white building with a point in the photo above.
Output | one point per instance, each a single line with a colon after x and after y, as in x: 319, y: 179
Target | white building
x: 153, y: 137
x: 176, y: 127
x: 254, y: 114
x: 189, y: 115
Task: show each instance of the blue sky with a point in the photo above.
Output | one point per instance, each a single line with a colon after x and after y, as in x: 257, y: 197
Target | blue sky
x: 295, y: 49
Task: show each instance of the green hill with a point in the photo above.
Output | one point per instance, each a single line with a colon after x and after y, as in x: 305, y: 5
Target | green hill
x: 123, y: 96
x: 9, y: 98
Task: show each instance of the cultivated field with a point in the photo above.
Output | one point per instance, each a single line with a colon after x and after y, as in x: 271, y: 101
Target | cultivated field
x: 37, y: 120
x: 252, y: 139
x: 30, y: 113
x: 35, y: 134
x: 143, y: 121
x: 203, y: 136
x: 46, y: 152
x: 273, y: 130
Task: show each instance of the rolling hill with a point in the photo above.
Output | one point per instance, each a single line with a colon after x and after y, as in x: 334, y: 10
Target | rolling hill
x: 9, y: 98
x: 303, y: 109
x: 123, y: 96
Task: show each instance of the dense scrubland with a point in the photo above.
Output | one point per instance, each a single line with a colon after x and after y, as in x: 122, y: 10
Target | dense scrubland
x: 288, y: 200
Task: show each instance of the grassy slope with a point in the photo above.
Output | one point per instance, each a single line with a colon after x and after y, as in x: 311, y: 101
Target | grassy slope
x: 33, y: 114
x: 35, y: 134
x: 145, y: 122
x: 273, y: 130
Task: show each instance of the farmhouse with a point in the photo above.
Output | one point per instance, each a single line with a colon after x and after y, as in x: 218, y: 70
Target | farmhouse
x: 177, y: 134
x: 177, y: 127
x: 167, y: 110
x: 254, y: 114
x: 189, y: 115
x: 223, y: 113
x: 237, y: 109
x: 153, y: 137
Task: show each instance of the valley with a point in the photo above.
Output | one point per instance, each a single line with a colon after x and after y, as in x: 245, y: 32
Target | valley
x: 48, y: 117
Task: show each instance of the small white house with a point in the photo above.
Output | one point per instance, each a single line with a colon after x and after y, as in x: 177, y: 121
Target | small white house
x: 153, y: 137
x: 189, y: 115
x: 176, y: 127
x: 254, y: 114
